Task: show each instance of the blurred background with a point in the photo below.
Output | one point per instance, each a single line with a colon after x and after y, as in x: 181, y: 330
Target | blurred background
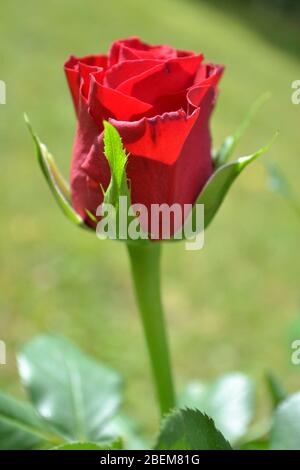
x: 228, y: 306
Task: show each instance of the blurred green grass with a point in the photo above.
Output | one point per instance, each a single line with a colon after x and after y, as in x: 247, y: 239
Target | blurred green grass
x: 229, y: 305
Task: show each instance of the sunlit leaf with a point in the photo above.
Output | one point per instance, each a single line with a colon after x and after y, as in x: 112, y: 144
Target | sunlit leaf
x: 229, y: 401
x: 70, y: 390
x: 285, y: 434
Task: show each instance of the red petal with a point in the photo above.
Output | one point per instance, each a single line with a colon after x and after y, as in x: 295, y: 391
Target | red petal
x: 169, y: 162
x: 169, y: 77
x: 106, y: 102
x: 85, y: 187
x: 114, y: 52
x: 196, y: 94
x: 151, y: 52
x: 73, y: 78
x: 134, y: 48
x: 75, y: 67
x: 122, y: 71
x: 160, y: 138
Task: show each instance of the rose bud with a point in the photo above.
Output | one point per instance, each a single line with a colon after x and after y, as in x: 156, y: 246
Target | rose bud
x: 160, y: 101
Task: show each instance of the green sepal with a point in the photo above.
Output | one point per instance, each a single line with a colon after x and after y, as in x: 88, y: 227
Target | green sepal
x: 220, y: 182
x: 230, y: 142
x: 55, y: 180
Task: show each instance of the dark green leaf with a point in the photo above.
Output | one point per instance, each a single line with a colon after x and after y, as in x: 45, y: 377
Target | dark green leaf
x: 229, y: 401
x: 70, y: 390
x: 285, y: 434
x: 189, y: 429
x: 55, y: 180
x: 20, y: 426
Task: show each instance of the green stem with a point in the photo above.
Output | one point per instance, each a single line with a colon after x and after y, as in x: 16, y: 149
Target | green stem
x: 145, y: 265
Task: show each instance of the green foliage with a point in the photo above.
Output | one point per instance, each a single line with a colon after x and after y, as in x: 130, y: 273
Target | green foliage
x: 229, y: 401
x: 74, y: 406
x: 189, y: 429
x: 117, y: 445
x: 71, y: 391
x: 285, y: 434
x: 20, y: 426
x: 73, y: 399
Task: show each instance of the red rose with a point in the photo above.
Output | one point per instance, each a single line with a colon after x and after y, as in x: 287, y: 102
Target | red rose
x: 160, y: 100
